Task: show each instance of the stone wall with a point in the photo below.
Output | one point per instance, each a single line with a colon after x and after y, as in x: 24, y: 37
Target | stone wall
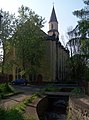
x: 37, y: 108
x: 86, y: 85
x: 78, y: 108
x: 42, y: 106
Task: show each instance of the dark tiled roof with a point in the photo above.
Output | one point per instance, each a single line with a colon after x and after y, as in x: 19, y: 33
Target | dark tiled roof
x: 53, y: 38
x: 53, y: 17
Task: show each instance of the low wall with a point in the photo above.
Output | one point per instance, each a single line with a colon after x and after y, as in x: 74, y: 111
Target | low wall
x: 42, y: 106
x: 87, y: 88
x: 78, y: 108
x: 37, y: 108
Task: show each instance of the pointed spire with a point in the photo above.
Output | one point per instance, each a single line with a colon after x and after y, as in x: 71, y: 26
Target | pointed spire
x: 53, y: 17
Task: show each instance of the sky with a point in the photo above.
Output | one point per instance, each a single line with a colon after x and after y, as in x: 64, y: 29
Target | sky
x: 63, y: 9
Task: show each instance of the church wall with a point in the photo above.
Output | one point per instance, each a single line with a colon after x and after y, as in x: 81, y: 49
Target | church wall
x: 46, y: 63
x: 53, y: 60
x: 59, y: 63
x: 48, y: 71
x: 62, y: 63
x: 10, y: 63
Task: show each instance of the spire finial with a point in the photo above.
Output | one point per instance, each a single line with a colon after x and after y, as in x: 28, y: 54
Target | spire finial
x: 53, y: 3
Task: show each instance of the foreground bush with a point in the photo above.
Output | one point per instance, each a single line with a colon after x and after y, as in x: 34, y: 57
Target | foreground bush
x: 6, y: 90
x: 10, y: 114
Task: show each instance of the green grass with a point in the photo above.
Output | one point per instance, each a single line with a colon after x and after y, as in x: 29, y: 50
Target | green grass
x: 11, y: 114
x: 50, y: 88
x: 77, y: 91
x: 16, y: 113
x: 22, y: 105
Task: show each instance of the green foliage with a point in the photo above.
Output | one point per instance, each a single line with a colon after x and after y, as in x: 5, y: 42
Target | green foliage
x: 50, y: 88
x: 9, y: 88
x: 78, y: 90
x: 22, y: 105
x: 6, y: 90
x: 2, y: 87
x: 10, y: 114
x: 29, y: 40
x: 13, y: 114
x: 77, y: 67
x: 26, y: 13
x: 83, y: 24
x: 68, y: 115
x: 81, y: 32
x: 38, y: 95
x: 83, y: 13
x: 24, y: 33
x: 2, y: 114
x: 79, y: 45
x: 8, y: 26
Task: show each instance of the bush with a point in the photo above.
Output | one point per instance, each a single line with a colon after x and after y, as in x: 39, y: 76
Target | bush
x: 77, y: 90
x: 2, y: 87
x: 51, y: 88
x: 11, y: 114
x: 2, y: 114
x: 5, y: 87
x: 8, y: 88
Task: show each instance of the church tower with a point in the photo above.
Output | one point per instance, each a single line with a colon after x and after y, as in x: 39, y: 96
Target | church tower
x: 52, y: 40
x: 53, y: 24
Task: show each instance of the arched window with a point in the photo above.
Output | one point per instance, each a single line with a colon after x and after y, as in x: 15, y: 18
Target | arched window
x: 51, y: 26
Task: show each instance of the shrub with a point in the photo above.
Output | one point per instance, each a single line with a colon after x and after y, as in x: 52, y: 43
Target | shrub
x: 14, y: 114
x: 2, y: 114
x: 11, y: 114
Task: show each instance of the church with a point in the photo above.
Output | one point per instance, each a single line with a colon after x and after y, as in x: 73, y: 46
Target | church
x: 54, y: 67
x: 56, y: 56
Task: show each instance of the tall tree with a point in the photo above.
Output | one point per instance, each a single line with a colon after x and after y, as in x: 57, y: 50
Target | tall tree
x: 8, y: 25
x: 80, y: 34
x: 80, y: 40
x: 28, y: 40
x: 83, y: 23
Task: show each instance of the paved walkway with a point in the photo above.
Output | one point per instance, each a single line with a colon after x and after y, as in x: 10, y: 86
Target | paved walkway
x: 13, y: 100
x: 16, y: 99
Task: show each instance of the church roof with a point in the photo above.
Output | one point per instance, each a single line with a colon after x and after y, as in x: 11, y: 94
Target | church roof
x: 53, y: 17
x: 53, y: 30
